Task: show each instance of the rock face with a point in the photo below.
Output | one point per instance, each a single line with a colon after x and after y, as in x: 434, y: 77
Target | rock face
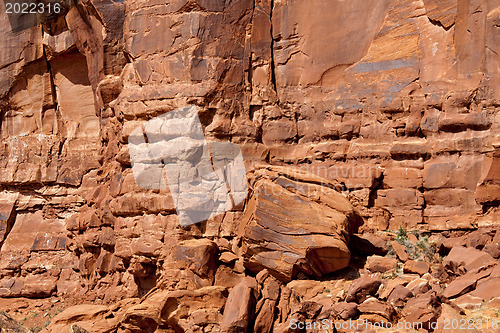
x: 295, y: 222
x: 9, y: 325
x: 394, y: 104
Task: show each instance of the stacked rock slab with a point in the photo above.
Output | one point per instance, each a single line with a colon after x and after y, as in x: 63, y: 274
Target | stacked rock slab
x: 295, y: 222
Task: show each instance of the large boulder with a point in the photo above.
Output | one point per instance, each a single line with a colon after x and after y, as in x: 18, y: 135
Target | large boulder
x: 191, y: 264
x: 240, y: 307
x: 467, y: 258
x: 197, y: 310
x: 295, y: 222
x: 362, y: 288
x: 90, y: 317
x: 178, y: 311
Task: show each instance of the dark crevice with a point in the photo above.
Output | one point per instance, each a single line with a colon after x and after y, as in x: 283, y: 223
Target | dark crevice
x: 273, y: 64
x: 128, y: 57
x: 489, y: 206
x: 250, y: 75
x: 51, y: 77
x: 2, y: 115
x: 440, y: 24
x: 9, y: 225
x: 54, y: 102
x: 424, y: 205
x: 377, y: 185
x: 296, y: 119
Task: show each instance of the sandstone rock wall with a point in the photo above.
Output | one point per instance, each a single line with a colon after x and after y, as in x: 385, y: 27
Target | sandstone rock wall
x: 397, y: 102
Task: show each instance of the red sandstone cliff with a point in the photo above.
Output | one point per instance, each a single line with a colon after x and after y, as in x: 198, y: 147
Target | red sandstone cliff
x: 394, y: 103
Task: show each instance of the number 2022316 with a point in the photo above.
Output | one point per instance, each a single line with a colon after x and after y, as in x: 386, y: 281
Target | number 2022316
x: 33, y: 8
x: 464, y: 324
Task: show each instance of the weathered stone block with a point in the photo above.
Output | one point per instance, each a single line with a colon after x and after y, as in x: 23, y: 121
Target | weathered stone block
x: 410, y: 149
x: 403, y: 177
x: 448, y: 197
x: 460, y: 122
x: 399, y: 197
x: 368, y: 150
x: 462, y: 172
x: 289, y: 153
x: 279, y: 131
x: 335, y: 150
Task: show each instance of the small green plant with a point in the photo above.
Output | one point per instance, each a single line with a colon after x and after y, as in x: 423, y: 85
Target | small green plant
x: 402, y: 236
x: 421, y: 249
x: 426, y: 248
x: 423, y: 243
x: 327, y: 291
x: 397, y: 272
x: 391, y: 276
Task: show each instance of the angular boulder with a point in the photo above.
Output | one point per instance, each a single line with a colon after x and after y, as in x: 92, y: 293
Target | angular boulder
x: 368, y: 244
x: 416, y: 267
x: 345, y: 310
x: 400, y: 251
x: 89, y: 317
x: 467, y: 257
x: 465, y: 283
x: 360, y: 289
x: 423, y: 309
x: 451, y: 315
x: 399, y: 295
x: 378, y: 264
x: 191, y: 264
x: 295, y: 222
x: 240, y: 306
x: 375, y: 310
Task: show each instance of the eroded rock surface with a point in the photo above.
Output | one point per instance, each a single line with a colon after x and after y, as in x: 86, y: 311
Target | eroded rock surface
x: 395, y: 104
x: 295, y: 222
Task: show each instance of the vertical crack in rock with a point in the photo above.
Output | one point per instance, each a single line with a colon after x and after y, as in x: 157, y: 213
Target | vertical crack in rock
x: 51, y: 78
x: 377, y: 185
x: 54, y: 103
x: 273, y: 69
x: 250, y: 56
